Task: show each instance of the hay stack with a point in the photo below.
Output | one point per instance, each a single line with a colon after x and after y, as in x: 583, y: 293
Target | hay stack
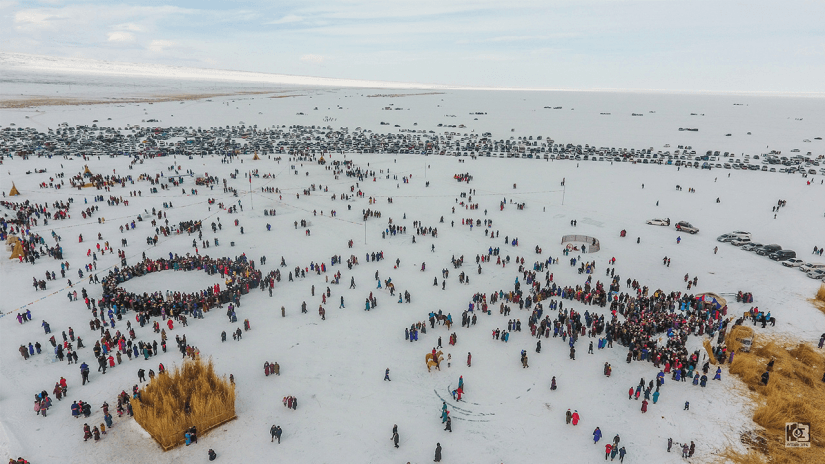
x: 795, y: 393
x: 737, y: 333
x: 819, y: 300
x: 191, y: 395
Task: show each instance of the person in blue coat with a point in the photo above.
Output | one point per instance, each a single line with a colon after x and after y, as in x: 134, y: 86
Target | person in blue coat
x: 461, y: 382
x: 655, y: 396
x: 444, y: 413
x: 597, y: 435
x: 718, y: 375
x: 188, y: 438
x: 696, y: 379
x: 75, y: 410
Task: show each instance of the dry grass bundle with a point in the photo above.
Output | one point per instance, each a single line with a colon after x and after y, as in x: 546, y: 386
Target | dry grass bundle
x: 795, y: 393
x: 819, y: 300
x: 737, y: 333
x: 709, y: 349
x: 191, y: 395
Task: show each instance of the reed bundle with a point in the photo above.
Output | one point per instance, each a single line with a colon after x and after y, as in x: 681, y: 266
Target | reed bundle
x: 190, y: 395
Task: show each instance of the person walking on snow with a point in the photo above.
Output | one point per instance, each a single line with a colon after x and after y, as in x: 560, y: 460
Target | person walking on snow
x: 575, y: 417
x: 597, y: 435
x: 387, y: 375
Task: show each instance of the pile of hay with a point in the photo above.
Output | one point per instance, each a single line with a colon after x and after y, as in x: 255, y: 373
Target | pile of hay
x: 191, y: 395
x: 795, y: 393
x: 737, y: 333
x: 819, y: 299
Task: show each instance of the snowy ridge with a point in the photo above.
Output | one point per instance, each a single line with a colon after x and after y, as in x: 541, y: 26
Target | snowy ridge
x: 52, y: 64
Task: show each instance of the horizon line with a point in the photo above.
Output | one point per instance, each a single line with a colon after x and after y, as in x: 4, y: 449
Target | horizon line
x: 63, y: 64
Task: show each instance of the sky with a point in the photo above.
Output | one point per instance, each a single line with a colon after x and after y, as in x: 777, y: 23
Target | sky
x: 671, y: 45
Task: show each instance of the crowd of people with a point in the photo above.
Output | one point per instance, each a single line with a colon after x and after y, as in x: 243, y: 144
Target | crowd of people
x: 651, y: 326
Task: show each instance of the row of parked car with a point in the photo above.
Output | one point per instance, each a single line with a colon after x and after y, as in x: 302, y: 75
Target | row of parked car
x: 775, y: 252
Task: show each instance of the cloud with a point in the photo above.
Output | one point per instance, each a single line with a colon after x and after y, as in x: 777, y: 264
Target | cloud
x: 317, y: 59
x: 120, y: 36
x: 160, y: 46
x: 811, y: 50
x: 36, y: 18
x: 291, y: 18
x: 128, y: 27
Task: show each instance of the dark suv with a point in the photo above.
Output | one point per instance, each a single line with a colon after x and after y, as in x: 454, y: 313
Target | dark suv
x: 768, y: 249
x: 782, y: 255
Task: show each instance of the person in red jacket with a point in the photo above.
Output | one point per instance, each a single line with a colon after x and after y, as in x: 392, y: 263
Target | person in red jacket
x: 469, y: 359
x: 575, y: 417
x: 607, y: 448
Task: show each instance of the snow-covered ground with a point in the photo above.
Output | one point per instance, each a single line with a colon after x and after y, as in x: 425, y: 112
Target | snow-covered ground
x: 335, y: 367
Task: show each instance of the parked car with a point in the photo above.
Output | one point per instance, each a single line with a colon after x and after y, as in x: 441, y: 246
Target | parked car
x: 782, y: 255
x: 752, y: 246
x: 725, y: 238
x: 686, y: 227
x: 659, y: 222
x: 817, y: 274
x: 768, y: 249
x: 793, y: 262
x: 741, y: 234
x: 740, y: 241
x: 808, y: 267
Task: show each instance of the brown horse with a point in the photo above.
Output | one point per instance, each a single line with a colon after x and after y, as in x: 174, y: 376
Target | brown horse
x: 442, y: 319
